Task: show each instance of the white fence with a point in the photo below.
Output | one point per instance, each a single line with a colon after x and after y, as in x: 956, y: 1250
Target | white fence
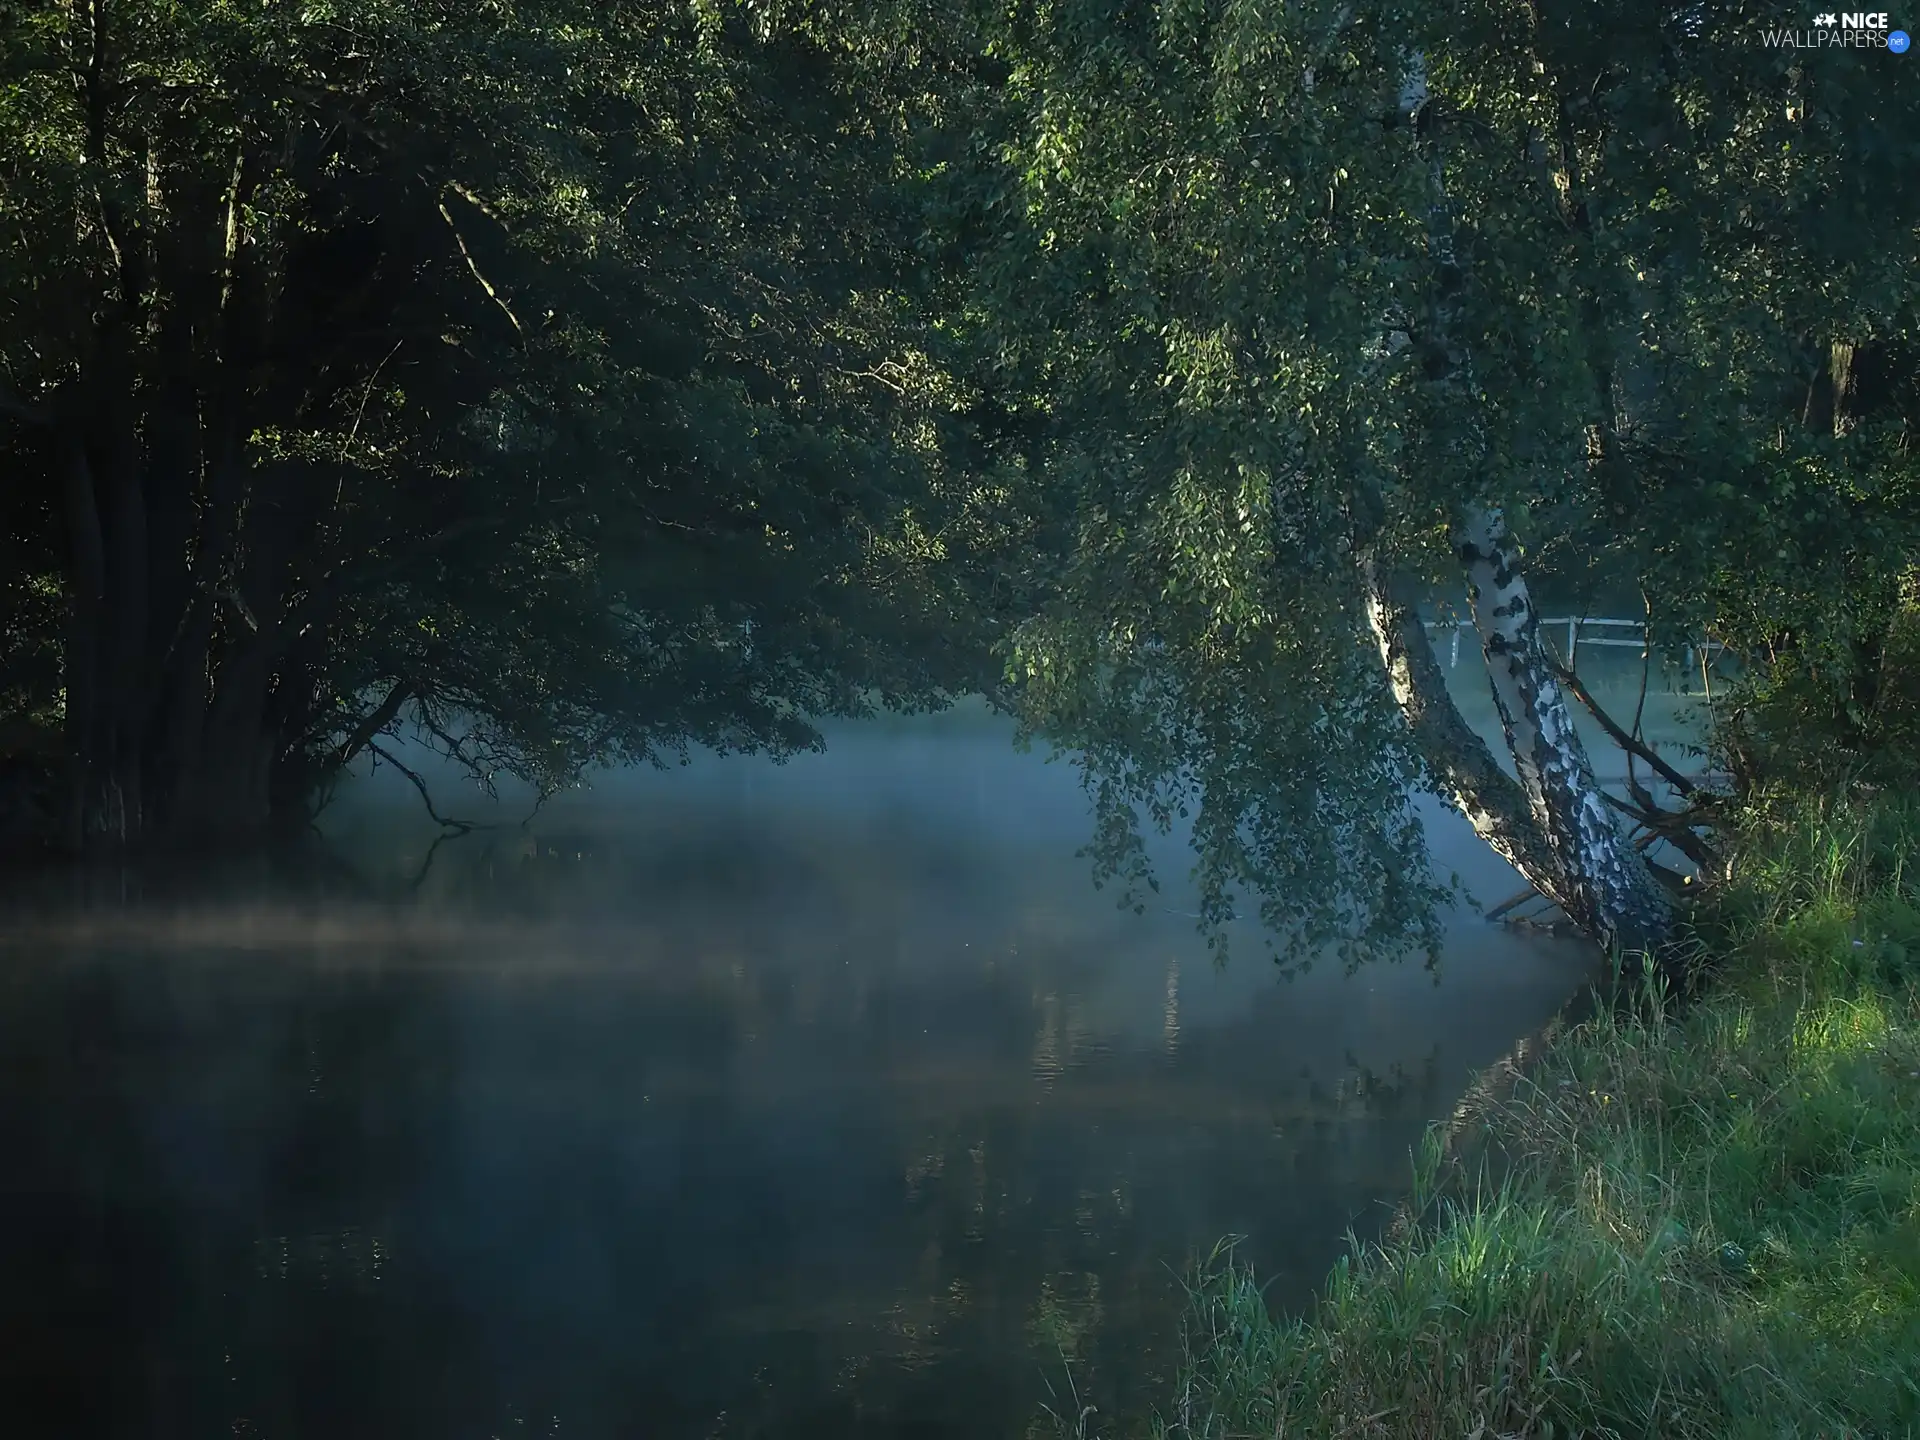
x: 1575, y: 626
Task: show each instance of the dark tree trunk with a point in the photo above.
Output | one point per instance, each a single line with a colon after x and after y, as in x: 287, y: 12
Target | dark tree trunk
x: 86, y: 617
x: 178, y: 706
x: 187, y: 683
x: 128, y: 674
x: 178, y: 547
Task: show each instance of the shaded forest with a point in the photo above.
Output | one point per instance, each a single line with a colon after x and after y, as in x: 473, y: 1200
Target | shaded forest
x: 572, y: 384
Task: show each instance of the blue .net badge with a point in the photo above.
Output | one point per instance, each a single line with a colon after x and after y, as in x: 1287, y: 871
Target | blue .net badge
x: 1897, y: 42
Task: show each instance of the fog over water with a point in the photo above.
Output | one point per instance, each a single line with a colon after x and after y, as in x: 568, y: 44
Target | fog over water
x: 823, y: 1099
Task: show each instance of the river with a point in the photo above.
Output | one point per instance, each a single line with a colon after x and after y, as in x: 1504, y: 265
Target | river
x: 804, y: 1101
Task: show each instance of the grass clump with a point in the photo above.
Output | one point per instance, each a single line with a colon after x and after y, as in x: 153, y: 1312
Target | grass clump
x: 1699, y: 1221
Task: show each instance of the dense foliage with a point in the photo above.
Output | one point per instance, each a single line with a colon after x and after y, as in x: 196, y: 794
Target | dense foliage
x: 582, y: 381
x: 1303, y: 289
x: 551, y: 375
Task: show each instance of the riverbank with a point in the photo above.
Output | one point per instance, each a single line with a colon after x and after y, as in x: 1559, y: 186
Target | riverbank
x: 1699, y: 1222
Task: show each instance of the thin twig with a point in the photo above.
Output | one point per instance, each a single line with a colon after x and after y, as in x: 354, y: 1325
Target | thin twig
x: 474, y: 266
x: 459, y: 827
x: 539, y: 803
x: 1674, y: 828
x: 361, y: 414
x: 456, y: 749
x: 1646, y: 666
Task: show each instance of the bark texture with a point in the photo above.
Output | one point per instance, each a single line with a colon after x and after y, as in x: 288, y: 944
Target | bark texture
x: 1604, y: 884
x: 1549, y: 819
x: 1464, y: 770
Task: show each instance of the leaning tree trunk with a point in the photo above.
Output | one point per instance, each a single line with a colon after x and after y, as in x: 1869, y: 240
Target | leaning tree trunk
x: 1550, y: 819
x: 1604, y: 884
x: 1462, y: 767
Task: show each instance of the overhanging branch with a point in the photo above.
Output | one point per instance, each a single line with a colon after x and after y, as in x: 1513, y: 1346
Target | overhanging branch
x: 460, y: 827
x: 376, y: 720
x: 1629, y: 743
x: 456, y: 750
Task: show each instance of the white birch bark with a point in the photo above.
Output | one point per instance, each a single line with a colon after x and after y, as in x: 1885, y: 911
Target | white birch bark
x: 1463, y: 770
x: 1604, y: 885
x: 1576, y: 854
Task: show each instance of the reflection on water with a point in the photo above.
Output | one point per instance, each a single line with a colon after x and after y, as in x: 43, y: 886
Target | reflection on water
x: 821, y: 1100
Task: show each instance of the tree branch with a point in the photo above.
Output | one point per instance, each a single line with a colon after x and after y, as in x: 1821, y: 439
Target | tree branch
x: 372, y: 723
x: 474, y: 266
x: 457, y: 751
x: 1619, y: 736
x: 461, y: 827
x: 1667, y: 825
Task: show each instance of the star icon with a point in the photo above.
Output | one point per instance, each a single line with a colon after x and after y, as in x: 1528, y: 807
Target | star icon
x: 1825, y: 22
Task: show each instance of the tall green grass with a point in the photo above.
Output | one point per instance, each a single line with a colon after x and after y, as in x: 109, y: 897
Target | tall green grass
x: 1683, y: 1221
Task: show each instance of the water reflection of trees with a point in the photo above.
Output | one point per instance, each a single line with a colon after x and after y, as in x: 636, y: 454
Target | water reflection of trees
x: 205, y: 1153
x: 697, y: 1169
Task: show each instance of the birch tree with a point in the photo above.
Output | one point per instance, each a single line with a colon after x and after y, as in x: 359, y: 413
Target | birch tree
x: 1312, y: 342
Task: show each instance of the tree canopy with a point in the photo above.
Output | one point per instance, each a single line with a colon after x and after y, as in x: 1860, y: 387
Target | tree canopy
x: 552, y: 374
x: 579, y: 382
x: 1308, y: 292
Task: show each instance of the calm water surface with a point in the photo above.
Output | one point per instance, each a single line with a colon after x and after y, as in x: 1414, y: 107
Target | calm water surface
x: 825, y: 1100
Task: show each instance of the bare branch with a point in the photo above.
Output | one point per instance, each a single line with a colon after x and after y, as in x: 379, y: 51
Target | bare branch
x: 1619, y: 736
x: 461, y: 827
x: 346, y: 445
x: 539, y: 803
x: 1646, y: 670
x: 474, y: 266
x: 474, y: 200
x: 456, y: 750
x: 1674, y: 827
